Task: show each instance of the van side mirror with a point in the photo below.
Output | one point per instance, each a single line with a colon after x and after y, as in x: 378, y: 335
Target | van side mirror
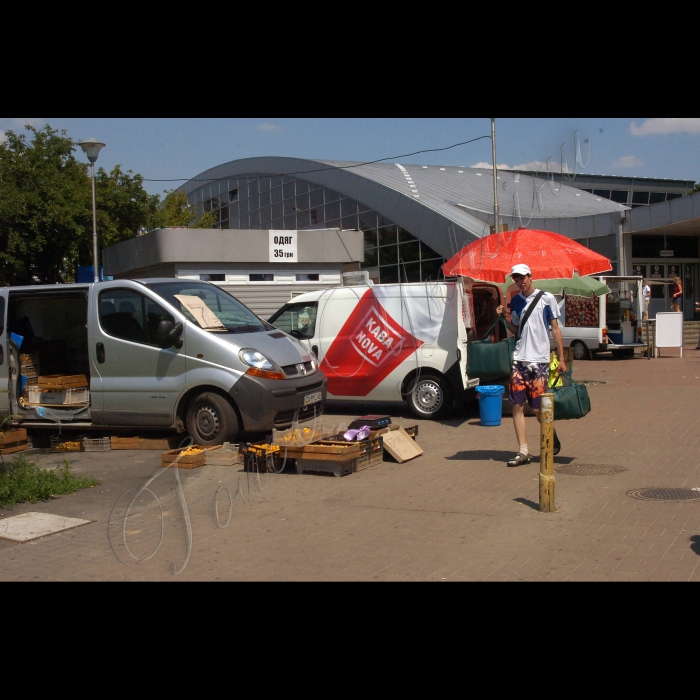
x: 169, y: 334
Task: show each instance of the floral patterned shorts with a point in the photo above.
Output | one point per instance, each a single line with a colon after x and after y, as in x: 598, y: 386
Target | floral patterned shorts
x: 528, y: 381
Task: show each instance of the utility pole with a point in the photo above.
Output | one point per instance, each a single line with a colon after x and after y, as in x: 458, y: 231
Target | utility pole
x: 496, y: 217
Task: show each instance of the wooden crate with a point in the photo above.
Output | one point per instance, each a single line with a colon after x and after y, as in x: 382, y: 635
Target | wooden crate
x: 334, y: 450
x: 167, y: 443
x: 125, y: 443
x: 63, y: 381
x: 226, y: 455
x: 171, y: 458
x: 13, y: 441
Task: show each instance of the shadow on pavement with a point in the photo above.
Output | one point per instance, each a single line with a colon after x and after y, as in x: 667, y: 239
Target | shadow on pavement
x: 499, y: 456
x: 525, y: 502
x: 695, y: 539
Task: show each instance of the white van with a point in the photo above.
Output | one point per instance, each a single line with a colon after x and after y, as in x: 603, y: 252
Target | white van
x: 395, y: 342
x: 155, y: 353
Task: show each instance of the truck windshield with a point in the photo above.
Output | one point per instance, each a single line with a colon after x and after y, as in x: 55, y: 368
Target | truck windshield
x: 209, y: 307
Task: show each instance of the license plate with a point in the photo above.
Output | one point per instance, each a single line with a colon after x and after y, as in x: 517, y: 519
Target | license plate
x: 312, y: 398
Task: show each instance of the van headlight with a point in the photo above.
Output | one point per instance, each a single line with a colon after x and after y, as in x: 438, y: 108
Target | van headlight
x: 259, y: 365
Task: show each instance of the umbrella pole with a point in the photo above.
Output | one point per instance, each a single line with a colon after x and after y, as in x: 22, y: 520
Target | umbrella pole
x: 495, y: 178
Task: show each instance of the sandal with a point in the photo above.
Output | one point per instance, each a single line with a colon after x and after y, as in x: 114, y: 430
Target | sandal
x: 519, y: 460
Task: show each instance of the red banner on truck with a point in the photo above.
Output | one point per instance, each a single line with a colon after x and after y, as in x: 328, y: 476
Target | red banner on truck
x: 369, y: 346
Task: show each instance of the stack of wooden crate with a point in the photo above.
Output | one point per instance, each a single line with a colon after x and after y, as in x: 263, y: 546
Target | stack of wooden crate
x: 29, y: 369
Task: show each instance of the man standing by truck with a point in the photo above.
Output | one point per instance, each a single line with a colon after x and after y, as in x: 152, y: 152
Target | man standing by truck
x: 532, y: 313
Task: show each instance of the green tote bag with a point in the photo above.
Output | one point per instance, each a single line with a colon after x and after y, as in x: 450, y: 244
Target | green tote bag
x: 488, y: 360
x: 571, y: 400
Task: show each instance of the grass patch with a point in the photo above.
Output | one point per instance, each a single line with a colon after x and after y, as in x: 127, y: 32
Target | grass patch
x: 21, y: 480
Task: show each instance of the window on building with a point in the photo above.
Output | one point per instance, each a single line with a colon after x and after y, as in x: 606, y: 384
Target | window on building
x: 619, y: 196
x: 312, y: 277
x: 656, y: 197
x: 213, y: 277
x: 602, y: 193
x: 673, y: 195
x: 640, y: 198
x: 261, y: 277
x: 233, y: 195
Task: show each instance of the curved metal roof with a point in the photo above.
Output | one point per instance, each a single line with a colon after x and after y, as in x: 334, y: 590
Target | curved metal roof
x: 444, y: 206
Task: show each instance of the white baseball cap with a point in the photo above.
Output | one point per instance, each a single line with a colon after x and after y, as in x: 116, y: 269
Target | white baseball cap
x: 520, y: 270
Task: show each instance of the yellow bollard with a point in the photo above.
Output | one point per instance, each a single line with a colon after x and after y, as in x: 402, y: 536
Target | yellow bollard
x: 547, y: 454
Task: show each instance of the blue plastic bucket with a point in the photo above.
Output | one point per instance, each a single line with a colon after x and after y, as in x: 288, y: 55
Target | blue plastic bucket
x: 490, y: 403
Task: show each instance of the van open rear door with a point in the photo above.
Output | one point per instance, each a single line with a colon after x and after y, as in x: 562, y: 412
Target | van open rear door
x: 4, y: 357
x: 463, y: 319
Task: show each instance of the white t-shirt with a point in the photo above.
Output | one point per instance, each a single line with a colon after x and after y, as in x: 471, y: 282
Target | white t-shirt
x: 646, y: 292
x: 533, y: 345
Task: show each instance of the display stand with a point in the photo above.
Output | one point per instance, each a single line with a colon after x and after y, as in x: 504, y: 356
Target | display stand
x: 669, y: 331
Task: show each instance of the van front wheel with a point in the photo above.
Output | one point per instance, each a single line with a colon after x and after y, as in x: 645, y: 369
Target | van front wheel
x: 429, y: 396
x: 211, y: 420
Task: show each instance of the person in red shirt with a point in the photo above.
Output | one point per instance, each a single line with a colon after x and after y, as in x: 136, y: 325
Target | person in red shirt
x: 677, y: 298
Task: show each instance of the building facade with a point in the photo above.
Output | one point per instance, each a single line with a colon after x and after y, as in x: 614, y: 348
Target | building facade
x: 414, y: 217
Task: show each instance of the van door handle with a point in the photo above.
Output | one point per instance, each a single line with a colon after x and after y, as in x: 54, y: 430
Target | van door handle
x: 314, y: 350
x: 2, y: 356
x: 100, y: 348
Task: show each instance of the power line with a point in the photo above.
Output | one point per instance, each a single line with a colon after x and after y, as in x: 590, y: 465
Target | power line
x: 318, y: 170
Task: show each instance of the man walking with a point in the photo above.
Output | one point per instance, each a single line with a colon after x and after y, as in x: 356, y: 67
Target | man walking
x: 532, y: 312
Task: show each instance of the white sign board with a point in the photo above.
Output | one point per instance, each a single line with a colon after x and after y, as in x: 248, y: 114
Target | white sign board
x: 669, y: 331
x: 283, y: 246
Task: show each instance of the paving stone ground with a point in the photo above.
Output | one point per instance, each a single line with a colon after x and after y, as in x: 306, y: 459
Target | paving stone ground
x: 455, y: 513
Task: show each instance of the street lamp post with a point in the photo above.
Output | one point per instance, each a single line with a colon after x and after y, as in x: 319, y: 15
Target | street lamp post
x: 92, y: 149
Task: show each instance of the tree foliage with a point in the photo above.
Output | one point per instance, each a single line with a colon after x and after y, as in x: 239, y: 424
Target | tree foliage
x: 46, y: 208
x: 174, y: 210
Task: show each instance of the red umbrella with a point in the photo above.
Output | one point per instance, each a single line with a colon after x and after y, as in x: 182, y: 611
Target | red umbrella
x: 549, y: 256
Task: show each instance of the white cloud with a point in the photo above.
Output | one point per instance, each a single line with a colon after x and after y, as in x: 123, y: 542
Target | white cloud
x: 540, y: 166
x: 266, y: 126
x: 536, y: 165
x: 501, y: 166
x: 666, y: 126
x: 627, y: 162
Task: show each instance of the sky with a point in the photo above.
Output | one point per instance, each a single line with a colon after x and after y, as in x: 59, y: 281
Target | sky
x: 179, y: 149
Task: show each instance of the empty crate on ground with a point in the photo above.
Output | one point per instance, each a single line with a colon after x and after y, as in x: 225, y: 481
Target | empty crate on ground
x: 13, y: 441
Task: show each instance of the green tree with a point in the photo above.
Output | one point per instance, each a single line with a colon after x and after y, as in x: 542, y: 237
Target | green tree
x: 207, y: 220
x: 696, y: 188
x: 44, y: 206
x: 174, y: 210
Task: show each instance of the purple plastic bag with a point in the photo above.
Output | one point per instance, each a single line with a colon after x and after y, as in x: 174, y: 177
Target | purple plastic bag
x: 357, y: 433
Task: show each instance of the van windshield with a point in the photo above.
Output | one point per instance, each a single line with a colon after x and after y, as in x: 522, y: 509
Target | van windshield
x: 209, y: 307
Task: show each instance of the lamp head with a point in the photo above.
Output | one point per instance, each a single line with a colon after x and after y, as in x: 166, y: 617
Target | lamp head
x: 92, y: 148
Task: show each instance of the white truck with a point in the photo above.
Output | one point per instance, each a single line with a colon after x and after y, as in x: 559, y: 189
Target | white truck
x: 610, y: 322
x: 395, y: 342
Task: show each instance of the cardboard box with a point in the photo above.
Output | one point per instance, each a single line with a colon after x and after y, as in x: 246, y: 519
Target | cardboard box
x: 400, y: 446
x: 63, y: 381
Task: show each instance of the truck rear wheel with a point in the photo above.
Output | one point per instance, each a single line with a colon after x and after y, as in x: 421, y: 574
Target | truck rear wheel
x: 429, y: 396
x: 211, y: 420
x: 580, y: 350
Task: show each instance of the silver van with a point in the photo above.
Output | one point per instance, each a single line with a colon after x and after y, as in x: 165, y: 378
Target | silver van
x: 158, y: 354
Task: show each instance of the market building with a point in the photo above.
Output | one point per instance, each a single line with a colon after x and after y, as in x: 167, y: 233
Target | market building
x: 414, y: 217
